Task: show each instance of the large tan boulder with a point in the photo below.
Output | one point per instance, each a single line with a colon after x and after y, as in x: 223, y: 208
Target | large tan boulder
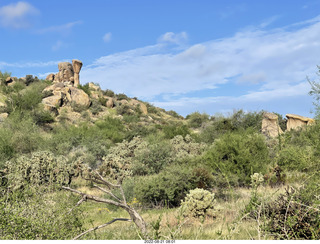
x: 65, y: 74
x: 270, y: 125
x: 50, y: 77
x: 52, y: 101
x: 296, y: 121
x: 77, y: 64
x: 110, y: 102
x: 142, y: 106
x: 79, y: 97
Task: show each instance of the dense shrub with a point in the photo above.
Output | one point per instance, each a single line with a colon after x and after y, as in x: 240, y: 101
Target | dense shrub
x: 195, y: 120
x: 108, y: 93
x: 174, y: 129
x: 235, y: 156
x: 85, y: 88
x: 37, y: 216
x: 152, y: 158
x: 291, y: 217
x: 198, y: 203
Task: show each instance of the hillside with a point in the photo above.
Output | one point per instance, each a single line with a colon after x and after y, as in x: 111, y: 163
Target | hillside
x: 58, y: 135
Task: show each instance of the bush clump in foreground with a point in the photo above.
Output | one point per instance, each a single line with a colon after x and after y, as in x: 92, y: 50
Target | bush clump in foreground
x: 198, y: 203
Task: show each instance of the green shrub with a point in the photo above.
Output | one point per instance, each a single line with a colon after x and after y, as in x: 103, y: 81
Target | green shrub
x: 198, y: 203
x: 235, y: 156
x: 95, y: 107
x: 122, y: 96
x: 174, y: 129
x: 167, y: 188
x: 85, y: 88
x: 78, y: 107
x: 195, y: 120
x: 152, y: 158
x: 125, y: 109
x: 37, y: 216
x: 291, y: 217
x: 108, y: 93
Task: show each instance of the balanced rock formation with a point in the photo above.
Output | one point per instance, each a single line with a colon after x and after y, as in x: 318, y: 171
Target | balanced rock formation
x: 296, y: 121
x: 65, y: 74
x: 68, y: 73
x: 270, y: 125
x: 77, y: 64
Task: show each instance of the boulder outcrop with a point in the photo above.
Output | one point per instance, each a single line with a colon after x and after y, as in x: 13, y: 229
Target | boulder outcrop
x: 68, y: 73
x: 61, y: 95
x: 270, y: 125
x: 296, y: 121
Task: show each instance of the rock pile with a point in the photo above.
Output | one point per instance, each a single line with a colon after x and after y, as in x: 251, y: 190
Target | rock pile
x: 68, y: 73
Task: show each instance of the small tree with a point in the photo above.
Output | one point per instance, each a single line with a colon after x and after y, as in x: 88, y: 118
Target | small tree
x: 315, y: 92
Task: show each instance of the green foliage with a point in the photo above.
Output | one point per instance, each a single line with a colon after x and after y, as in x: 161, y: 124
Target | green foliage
x: 78, y: 107
x: 235, y: 156
x: 238, y: 121
x: 291, y: 217
x: 108, y: 93
x: 174, y: 129
x: 125, y: 109
x: 297, y: 158
x: 195, y: 120
x: 85, y: 88
x: 95, y: 107
x: 167, y: 188
x: 198, y: 203
x: 315, y: 92
x: 121, y: 96
x: 3, y: 77
x: 35, y: 216
x: 152, y: 158
x: 40, y: 169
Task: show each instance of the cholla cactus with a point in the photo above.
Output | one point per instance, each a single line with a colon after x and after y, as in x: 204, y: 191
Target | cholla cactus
x: 186, y: 147
x: 256, y: 180
x: 40, y: 168
x: 198, y: 203
x: 117, y: 163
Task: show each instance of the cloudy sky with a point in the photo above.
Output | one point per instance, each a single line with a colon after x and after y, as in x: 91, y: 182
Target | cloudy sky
x: 212, y: 56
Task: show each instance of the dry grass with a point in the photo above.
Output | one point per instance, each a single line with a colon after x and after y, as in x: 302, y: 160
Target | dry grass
x: 227, y: 224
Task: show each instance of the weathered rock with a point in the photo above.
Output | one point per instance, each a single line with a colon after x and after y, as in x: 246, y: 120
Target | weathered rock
x: 270, y: 125
x: 8, y: 80
x: 109, y: 103
x: 50, y: 77
x: 65, y: 73
x: 296, y: 121
x: 77, y: 64
x: 142, y: 106
x: 94, y: 87
x: 79, y: 97
x: 124, y: 101
x: 3, y: 116
x: 53, y: 101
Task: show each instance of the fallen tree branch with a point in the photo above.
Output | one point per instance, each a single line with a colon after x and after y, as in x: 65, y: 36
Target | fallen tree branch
x: 101, y: 226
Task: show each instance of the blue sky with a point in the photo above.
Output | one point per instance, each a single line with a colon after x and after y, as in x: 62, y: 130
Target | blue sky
x: 210, y: 56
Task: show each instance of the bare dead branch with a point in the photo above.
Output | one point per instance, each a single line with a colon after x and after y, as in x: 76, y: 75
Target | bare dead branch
x: 94, y: 198
x: 108, y: 192
x: 101, y: 226
x: 105, y: 181
x: 123, y: 196
x: 83, y: 199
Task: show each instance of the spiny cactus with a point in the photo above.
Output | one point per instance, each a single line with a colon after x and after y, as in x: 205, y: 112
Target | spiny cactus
x: 198, y: 203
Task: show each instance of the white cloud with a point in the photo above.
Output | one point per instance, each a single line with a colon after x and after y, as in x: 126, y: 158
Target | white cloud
x: 35, y: 64
x: 61, y: 29
x: 17, y: 15
x: 107, y: 37
x: 170, y: 37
